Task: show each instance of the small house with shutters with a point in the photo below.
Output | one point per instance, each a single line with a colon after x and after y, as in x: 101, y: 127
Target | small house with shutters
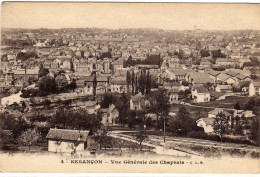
x: 63, y: 140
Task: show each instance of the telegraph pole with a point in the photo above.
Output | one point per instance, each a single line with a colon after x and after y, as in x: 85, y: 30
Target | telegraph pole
x: 164, y: 129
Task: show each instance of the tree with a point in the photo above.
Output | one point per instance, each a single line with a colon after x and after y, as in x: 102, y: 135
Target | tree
x: 209, y: 85
x: 133, y: 82
x: 221, y: 124
x: 140, y: 137
x: 43, y: 72
x: 183, y: 123
x: 204, y: 53
x: 254, y: 131
x: 104, y: 140
x: 29, y: 137
x: 128, y: 81
x: 217, y: 54
x: 180, y: 54
x: 237, y: 106
x: 107, y: 100
x: 136, y: 85
x: 61, y: 82
x: 47, y: 85
x: 148, y: 82
x: 95, y: 86
x: 46, y: 102
x: 78, y: 119
x: 142, y: 82
x: 238, y: 128
x: 160, y: 105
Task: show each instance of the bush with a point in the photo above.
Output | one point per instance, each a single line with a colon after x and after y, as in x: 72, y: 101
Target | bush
x: 255, y: 154
x: 202, y: 135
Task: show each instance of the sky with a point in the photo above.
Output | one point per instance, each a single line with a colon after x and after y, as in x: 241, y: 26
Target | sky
x: 168, y: 16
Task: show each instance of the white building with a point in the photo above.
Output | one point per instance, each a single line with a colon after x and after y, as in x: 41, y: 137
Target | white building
x: 200, y: 94
x: 254, y: 88
x: 62, y: 140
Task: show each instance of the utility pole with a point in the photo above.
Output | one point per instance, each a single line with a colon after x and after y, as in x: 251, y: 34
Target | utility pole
x: 164, y: 129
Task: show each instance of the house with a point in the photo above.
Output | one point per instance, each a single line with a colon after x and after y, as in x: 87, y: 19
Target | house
x: 242, y: 78
x: 174, y: 86
x: 92, y: 107
x: 173, y: 96
x: 232, y: 73
x: 200, y: 94
x: 137, y: 102
x: 118, y: 64
x: 213, y: 74
x: 244, y: 113
x: 179, y: 74
x: 226, y: 62
x: 62, y: 140
x: 205, y: 64
x: 26, y: 74
x: 102, y: 84
x: 215, y: 112
x: 224, y: 78
x: 206, y: 124
x: 224, y: 88
x: 118, y: 84
x: 110, y: 115
x: 254, y: 88
x: 199, y: 78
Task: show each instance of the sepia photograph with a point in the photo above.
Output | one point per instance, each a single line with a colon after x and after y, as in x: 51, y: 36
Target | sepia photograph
x: 110, y: 87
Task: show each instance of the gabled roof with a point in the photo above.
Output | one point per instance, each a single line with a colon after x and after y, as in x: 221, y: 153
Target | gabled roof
x: 68, y: 135
x: 118, y: 80
x: 179, y: 72
x: 99, y: 78
x: 118, y: 62
x: 225, y: 87
x: 200, y: 89
x: 223, y: 76
x: 218, y: 110
x: 256, y: 84
x: 90, y: 103
x: 213, y: 73
x: 241, y: 76
x: 137, y: 98
x: 208, y: 120
x: 232, y: 73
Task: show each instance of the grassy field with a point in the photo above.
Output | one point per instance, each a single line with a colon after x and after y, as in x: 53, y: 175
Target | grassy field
x: 195, y: 112
x: 229, y: 102
x: 213, y: 151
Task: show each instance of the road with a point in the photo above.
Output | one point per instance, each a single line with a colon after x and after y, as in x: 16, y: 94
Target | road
x: 188, y: 104
x: 159, y: 149
x: 157, y: 141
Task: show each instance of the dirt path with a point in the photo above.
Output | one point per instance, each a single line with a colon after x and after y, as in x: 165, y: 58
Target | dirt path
x: 159, y: 149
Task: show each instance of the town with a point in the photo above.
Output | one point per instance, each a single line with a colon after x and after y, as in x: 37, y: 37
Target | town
x: 124, y: 91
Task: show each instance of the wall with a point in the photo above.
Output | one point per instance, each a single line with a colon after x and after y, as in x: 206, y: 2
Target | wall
x: 63, y: 146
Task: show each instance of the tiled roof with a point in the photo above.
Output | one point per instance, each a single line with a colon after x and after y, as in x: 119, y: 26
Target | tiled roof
x: 241, y: 76
x: 225, y: 87
x: 232, y: 73
x: 208, y: 121
x: 223, y: 76
x: 137, y: 98
x: 200, y: 89
x: 213, y: 72
x: 218, y: 110
x: 256, y: 84
x: 69, y: 135
x: 118, y: 80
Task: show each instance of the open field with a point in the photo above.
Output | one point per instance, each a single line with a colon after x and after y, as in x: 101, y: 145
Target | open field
x: 195, y: 112
x: 229, y: 102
